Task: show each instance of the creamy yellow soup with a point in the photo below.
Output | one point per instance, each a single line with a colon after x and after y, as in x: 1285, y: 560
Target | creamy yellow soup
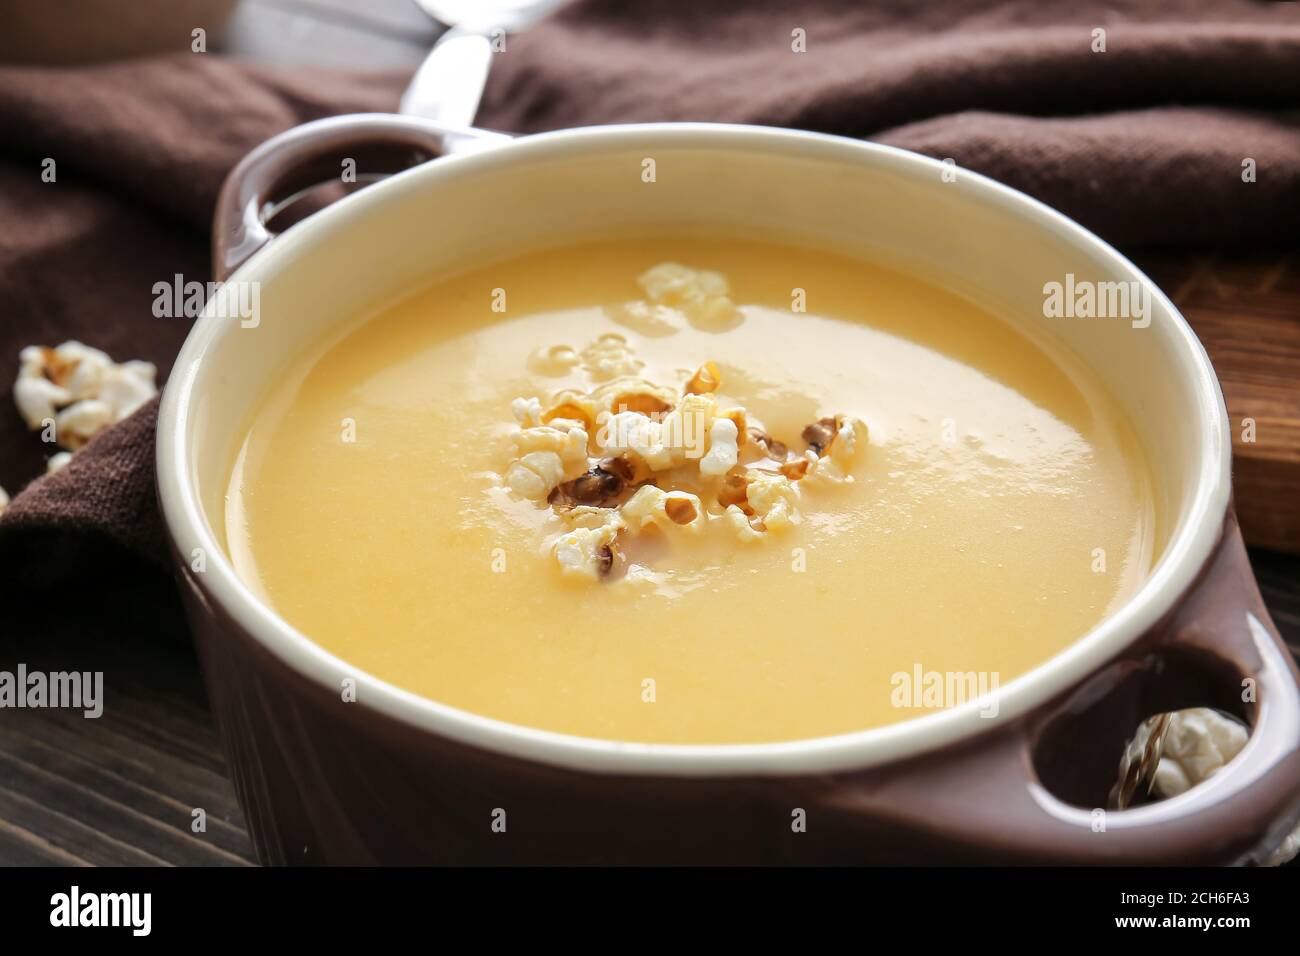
x: 972, y: 502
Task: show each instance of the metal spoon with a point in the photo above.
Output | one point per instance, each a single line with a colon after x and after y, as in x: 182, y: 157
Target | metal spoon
x: 449, y: 83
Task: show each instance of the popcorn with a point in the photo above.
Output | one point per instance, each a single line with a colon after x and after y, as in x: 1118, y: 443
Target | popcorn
x: 588, y: 551
x: 830, y: 462
x: 77, y: 423
x: 610, y: 357
x: 635, y: 395
x: 796, y: 469
x: 549, y: 456
x: 631, y: 433
x: 769, y: 499
x: 686, y: 427
x: 851, y: 434
x: 573, y: 405
x: 737, y: 415
x: 1197, y: 743
x: 772, y: 448
x: 774, y: 499
x: 648, y: 439
x: 80, y: 388
x: 72, y: 365
x: 127, y: 386
x: 593, y: 517
x: 738, y: 521
x: 527, y: 411
x: 536, y: 474
x: 735, y: 491
x: 4, y: 500
x: 667, y: 510
x: 568, y: 441
x: 57, y: 461
x: 723, y: 450
x: 629, y: 455
x: 701, y: 295
x: 672, y: 283
x: 37, y: 398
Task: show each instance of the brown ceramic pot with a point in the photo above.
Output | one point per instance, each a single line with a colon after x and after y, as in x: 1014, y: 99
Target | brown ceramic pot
x: 395, y: 778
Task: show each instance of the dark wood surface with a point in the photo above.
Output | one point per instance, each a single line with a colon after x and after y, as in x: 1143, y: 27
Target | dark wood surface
x: 1245, y: 307
x: 122, y: 789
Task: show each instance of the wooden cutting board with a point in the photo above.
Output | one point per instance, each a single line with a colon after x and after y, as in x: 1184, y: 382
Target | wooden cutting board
x: 1245, y: 306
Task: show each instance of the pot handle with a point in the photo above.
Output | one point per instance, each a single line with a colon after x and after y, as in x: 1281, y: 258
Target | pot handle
x: 987, y: 800
x: 291, y: 162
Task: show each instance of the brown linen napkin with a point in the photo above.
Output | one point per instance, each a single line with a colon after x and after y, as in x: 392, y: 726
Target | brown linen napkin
x: 141, y: 149
x: 1143, y: 142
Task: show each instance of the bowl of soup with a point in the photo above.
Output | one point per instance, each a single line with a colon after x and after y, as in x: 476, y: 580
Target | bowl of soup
x: 700, y: 493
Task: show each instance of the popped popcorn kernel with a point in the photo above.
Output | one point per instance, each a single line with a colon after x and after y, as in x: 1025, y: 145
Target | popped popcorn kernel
x: 593, y: 517
x: 735, y: 492
x: 771, y: 447
x: 672, y: 283
x: 76, y: 424
x: 723, y: 450
x: 664, y: 509
x: 527, y: 411
x: 687, y: 426
x: 573, y: 405
x: 701, y: 295
x: 796, y: 469
x: 610, y: 357
x: 1198, y: 742
x: 536, y: 474
x: 738, y: 521
x: 588, y: 549
x: 634, y: 434
x: 81, y: 389
x: 126, y: 387
x: 568, y: 441
x: 38, y: 399
x: 737, y: 415
x: 586, y: 552
x: 775, y: 500
x: 630, y: 394
x: 837, y: 444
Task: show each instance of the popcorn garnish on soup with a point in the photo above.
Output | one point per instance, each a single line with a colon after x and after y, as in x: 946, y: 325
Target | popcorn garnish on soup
x: 630, y: 457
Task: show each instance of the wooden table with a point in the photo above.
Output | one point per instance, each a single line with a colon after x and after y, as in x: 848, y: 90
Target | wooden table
x: 122, y: 789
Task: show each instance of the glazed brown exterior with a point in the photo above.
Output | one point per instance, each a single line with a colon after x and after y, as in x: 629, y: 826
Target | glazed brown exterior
x: 307, y: 156
x: 323, y: 781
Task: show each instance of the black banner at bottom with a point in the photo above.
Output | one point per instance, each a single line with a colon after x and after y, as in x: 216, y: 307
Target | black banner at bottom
x: 347, y: 905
